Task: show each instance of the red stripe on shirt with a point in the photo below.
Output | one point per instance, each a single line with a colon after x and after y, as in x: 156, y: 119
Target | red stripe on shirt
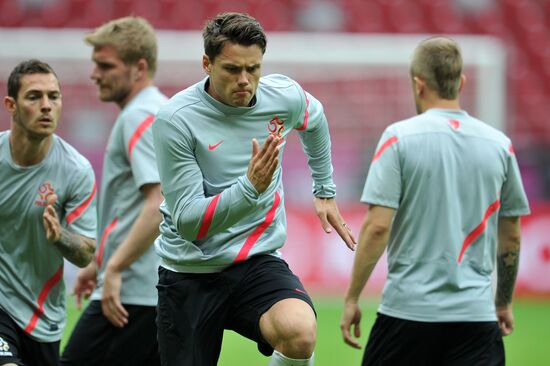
x: 384, y: 146
x: 493, y: 207
x: 253, y: 238
x: 106, y: 232
x: 207, y: 218
x: 42, y: 299
x: 138, y: 132
x: 80, y: 209
x: 511, y: 149
x: 306, y: 114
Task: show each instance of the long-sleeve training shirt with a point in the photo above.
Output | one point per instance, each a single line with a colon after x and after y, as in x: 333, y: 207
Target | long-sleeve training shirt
x: 213, y: 215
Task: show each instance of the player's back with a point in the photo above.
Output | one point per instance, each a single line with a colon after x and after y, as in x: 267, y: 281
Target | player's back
x: 442, y: 248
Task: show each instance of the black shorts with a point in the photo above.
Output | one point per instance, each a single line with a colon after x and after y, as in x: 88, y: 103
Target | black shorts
x: 394, y: 341
x: 194, y: 309
x: 95, y: 341
x: 17, y: 347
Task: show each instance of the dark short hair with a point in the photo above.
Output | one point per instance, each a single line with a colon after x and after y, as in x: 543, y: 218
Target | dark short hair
x: 238, y: 28
x: 28, y: 67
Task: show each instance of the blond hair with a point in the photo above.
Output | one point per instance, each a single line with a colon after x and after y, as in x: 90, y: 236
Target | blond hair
x: 438, y: 62
x: 133, y: 37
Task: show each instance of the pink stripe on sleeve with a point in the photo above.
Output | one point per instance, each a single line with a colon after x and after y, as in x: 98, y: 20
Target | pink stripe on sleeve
x: 306, y: 114
x: 73, y: 215
x: 143, y: 125
x: 384, y: 146
x: 106, y: 232
x: 472, y: 236
x: 42, y: 299
x: 253, y: 238
x: 207, y: 218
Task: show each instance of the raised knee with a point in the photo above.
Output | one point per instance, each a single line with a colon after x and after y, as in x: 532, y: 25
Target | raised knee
x: 299, y: 342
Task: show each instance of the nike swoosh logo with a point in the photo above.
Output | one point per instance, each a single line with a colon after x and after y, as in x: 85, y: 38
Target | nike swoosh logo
x: 212, y: 147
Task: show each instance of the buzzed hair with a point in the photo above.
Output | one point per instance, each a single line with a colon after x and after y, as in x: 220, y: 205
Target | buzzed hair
x: 438, y: 61
x: 133, y: 37
x: 28, y: 67
x: 238, y: 28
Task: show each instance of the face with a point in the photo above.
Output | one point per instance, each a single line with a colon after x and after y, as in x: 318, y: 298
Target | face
x: 112, y: 76
x: 234, y: 74
x: 38, y: 106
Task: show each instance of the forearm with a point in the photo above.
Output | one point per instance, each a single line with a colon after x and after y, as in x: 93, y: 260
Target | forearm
x: 77, y: 249
x: 317, y: 146
x: 369, y: 250
x: 141, y: 236
x: 507, y: 260
x: 203, y: 217
x: 372, y: 242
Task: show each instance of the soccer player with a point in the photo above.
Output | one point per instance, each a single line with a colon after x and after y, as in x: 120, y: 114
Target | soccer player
x: 118, y: 326
x: 219, y: 143
x: 445, y: 196
x: 47, y: 213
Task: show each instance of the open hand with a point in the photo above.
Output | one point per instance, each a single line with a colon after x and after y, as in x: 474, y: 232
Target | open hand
x: 328, y: 213
x: 51, y: 221
x: 263, y: 163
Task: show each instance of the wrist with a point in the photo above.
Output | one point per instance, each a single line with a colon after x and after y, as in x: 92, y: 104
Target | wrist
x: 113, y: 267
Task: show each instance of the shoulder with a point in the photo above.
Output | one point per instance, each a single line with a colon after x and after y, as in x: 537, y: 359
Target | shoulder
x: 67, y: 157
x: 491, y: 133
x: 144, y: 105
x: 180, y: 102
x: 282, y: 89
x: 277, y: 81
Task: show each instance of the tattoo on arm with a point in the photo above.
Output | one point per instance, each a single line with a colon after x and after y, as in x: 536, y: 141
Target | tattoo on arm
x: 507, y: 269
x: 78, y: 249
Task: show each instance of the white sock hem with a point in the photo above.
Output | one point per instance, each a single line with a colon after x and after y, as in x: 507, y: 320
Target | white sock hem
x: 278, y: 359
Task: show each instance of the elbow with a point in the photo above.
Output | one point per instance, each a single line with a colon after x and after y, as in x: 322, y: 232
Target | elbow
x: 186, y: 228
x: 84, y: 261
x: 88, y: 251
x: 377, y: 229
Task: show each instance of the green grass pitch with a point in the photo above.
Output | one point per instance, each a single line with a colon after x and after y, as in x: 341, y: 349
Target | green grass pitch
x: 529, y: 345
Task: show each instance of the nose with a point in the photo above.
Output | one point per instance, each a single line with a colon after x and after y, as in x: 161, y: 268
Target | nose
x: 95, y: 74
x: 45, y: 103
x: 243, y: 78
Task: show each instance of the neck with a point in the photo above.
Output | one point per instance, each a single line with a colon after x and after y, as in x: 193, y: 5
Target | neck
x: 27, y: 151
x: 439, y: 103
x: 136, y: 89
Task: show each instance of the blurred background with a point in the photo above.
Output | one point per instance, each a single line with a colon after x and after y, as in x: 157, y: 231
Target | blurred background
x: 353, y: 56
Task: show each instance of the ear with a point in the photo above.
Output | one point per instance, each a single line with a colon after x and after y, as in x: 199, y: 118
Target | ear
x: 419, y: 86
x: 142, y: 68
x: 206, y: 65
x: 10, y: 105
x: 462, y: 82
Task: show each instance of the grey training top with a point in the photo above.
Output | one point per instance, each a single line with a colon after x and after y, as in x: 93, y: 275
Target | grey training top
x: 449, y: 176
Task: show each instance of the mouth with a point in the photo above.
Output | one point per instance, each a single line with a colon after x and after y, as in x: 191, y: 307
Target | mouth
x: 241, y: 93
x: 45, y: 120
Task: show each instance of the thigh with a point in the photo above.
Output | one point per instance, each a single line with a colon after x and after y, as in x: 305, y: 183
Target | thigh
x: 475, y: 344
x: 91, y: 338
x: 40, y: 353
x: 95, y: 341
x: 18, y: 348
x: 394, y: 341
x: 264, y: 281
x: 191, y: 316
x: 11, y: 347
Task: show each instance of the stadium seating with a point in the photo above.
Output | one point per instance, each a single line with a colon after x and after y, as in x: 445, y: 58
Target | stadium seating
x: 523, y: 25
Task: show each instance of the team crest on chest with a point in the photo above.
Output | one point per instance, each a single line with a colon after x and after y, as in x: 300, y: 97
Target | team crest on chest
x: 44, y: 191
x: 276, y: 127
